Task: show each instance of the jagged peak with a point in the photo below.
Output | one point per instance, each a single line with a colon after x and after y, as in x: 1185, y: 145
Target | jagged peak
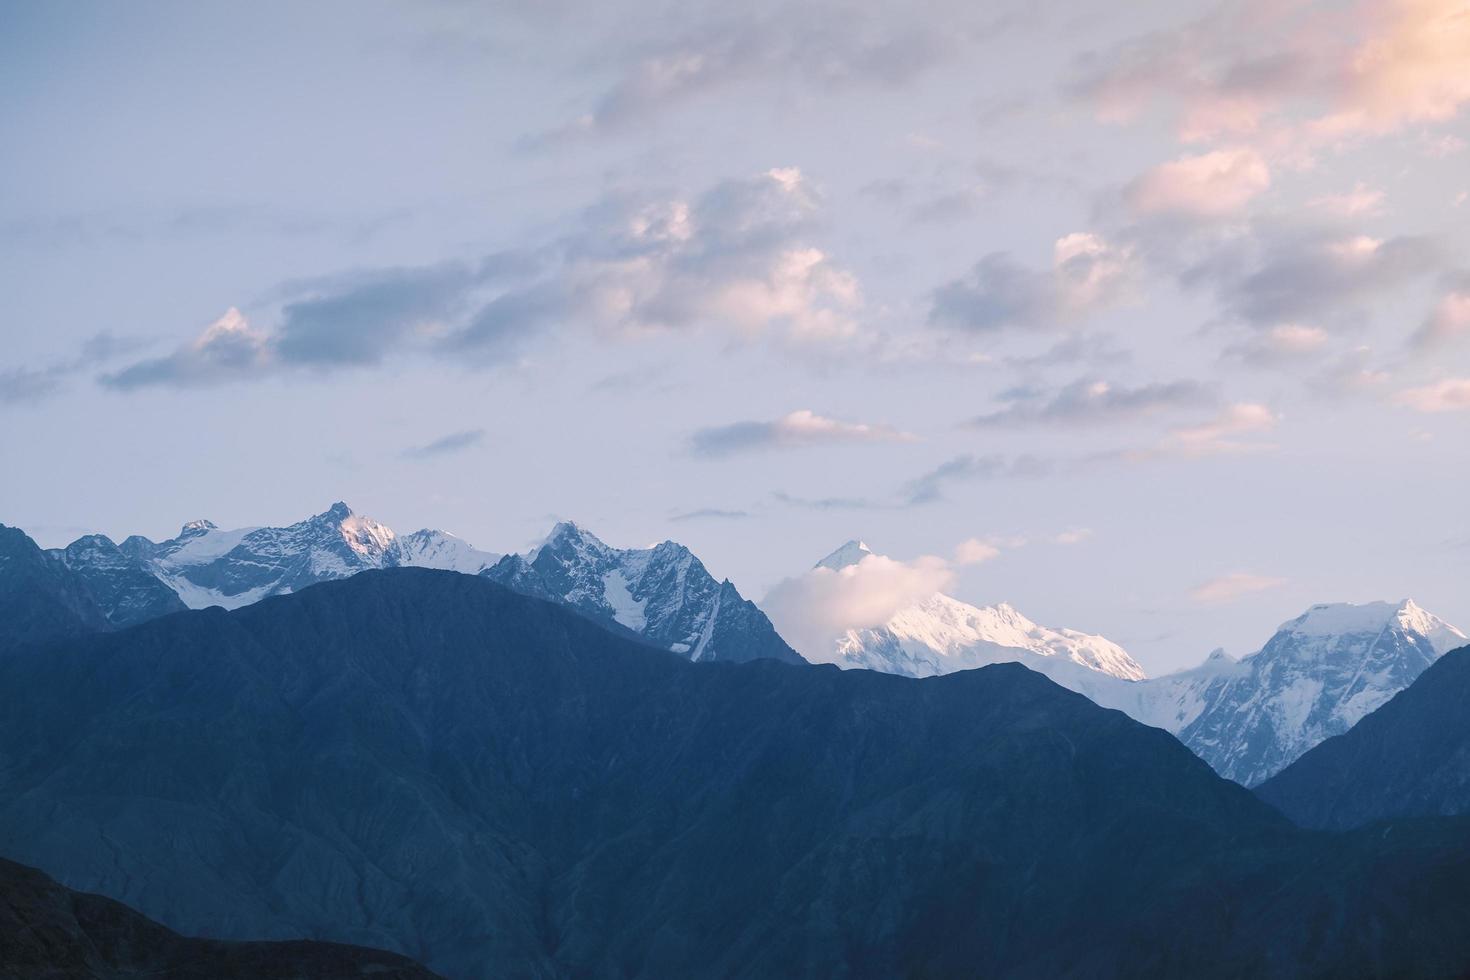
x: 850, y: 553
x: 196, y: 527
x: 338, y: 511
x: 570, y: 531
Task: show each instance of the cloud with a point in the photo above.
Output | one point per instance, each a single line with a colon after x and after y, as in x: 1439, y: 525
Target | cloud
x: 1298, y: 76
x: 229, y: 349
x: 796, y: 430
x: 1088, y: 274
x: 1232, y: 586
x: 1224, y: 434
x: 711, y: 514
x: 974, y: 551
x: 23, y: 385
x: 1412, y: 67
x: 1091, y: 402
x: 1279, y: 274
x: 1076, y: 535
x: 812, y: 610
x: 1360, y: 201
x: 1209, y: 185
x: 19, y: 385
x: 1449, y: 395
x: 930, y: 486
x: 1353, y: 373
x: 821, y: 46
x: 1234, y: 431
x: 827, y: 503
x: 453, y: 443
x: 359, y: 318
x: 1450, y: 319
x: 736, y: 257
x: 1282, y: 344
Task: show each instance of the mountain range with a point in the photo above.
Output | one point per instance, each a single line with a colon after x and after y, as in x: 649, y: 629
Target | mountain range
x: 1315, y: 678
x: 498, y: 785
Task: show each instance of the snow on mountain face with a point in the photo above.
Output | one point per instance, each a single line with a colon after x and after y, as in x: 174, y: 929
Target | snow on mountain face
x: 663, y: 593
x: 124, y: 588
x: 1314, y: 679
x: 1319, y: 674
x: 849, y: 554
x: 940, y: 634
x: 440, y: 549
x: 207, y: 566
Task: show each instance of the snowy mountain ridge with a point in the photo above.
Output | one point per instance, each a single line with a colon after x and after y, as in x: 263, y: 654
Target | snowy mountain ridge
x: 207, y: 566
x: 663, y: 593
x: 1316, y: 677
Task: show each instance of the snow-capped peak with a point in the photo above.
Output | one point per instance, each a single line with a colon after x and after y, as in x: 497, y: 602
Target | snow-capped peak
x: 1346, y: 618
x: 850, y: 553
x: 197, y: 527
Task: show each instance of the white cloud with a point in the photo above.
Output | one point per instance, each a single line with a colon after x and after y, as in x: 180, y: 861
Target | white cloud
x: 1449, y: 395
x: 1224, y: 434
x: 1296, y: 78
x: 1208, y: 185
x: 1073, y: 536
x: 1232, y: 586
x: 1450, y: 320
x: 812, y: 610
x: 974, y: 551
x: 1233, y: 431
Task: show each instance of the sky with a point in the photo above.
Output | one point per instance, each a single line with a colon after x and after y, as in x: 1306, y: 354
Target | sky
x: 1152, y: 320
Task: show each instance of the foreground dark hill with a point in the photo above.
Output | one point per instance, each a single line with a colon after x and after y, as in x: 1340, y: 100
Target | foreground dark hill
x: 494, y: 786
x: 1409, y: 758
x: 48, y: 932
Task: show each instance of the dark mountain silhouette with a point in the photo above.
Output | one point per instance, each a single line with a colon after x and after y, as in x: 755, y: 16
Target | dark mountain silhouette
x: 48, y: 932
x: 429, y: 762
x: 1409, y: 758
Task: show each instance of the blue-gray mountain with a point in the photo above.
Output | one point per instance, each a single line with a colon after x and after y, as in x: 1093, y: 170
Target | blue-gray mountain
x: 663, y: 593
x: 41, y: 598
x: 1409, y: 758
x: 498, y: 786
x: 124, y: 587
x: 48, y: 932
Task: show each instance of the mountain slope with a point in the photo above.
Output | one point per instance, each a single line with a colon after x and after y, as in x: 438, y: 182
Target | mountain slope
x: 123, y: 586
x: 47, y: 931
x: 1411, y: 757
x: 663, y: 594
x: 1316, y: 677
x: 429, y: 762
x: 41, y: 598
